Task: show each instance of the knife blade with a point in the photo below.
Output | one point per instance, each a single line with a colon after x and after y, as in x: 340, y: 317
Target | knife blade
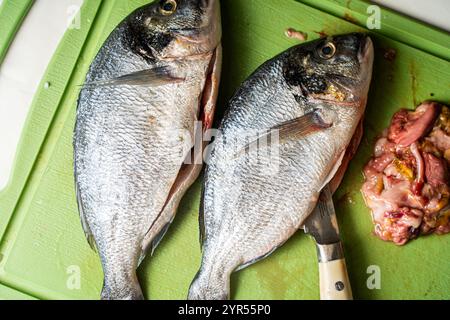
x: 323, y: 227
x: 322, y: 224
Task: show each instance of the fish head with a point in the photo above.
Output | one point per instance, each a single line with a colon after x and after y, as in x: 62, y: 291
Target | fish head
x: 336, y: 70
x: 173, y: 29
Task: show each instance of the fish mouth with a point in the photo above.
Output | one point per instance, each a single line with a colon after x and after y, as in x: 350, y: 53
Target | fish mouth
x: 206, y: 36
x: 366, y: 57
x: 365, y: 49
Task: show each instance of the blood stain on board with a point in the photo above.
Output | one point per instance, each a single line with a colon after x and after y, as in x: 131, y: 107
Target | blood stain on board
x: 349, y: 18
x: 389, y: 54
x: 321, y: 34
x: 413, y: 73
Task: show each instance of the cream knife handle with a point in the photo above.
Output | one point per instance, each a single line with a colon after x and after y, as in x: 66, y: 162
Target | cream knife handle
x: 334, y: 281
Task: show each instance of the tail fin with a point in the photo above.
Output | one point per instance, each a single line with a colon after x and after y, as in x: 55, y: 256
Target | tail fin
x: 210, y: 286
x: 122, y: 289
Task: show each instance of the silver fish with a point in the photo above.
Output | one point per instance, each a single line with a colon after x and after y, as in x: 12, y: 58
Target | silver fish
x: 305, y: 105
x: 154, y: 77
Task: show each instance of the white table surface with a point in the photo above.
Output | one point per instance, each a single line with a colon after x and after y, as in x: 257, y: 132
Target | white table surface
x: 22, y: 71
x: 433, y: 12
x: 20, y: 74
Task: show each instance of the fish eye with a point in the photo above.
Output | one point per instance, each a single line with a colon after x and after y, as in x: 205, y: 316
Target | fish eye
x: 327, y: 51
x: 168, y: 7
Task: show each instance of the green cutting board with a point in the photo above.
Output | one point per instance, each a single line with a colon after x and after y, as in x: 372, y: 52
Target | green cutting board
x: 43, y: 251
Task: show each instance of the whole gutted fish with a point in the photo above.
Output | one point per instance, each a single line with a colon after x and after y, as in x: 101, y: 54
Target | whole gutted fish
x: 303, y: 106
x: 154, y: 77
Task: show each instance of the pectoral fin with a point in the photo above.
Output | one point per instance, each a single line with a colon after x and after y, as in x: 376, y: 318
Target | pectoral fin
x: 151, y: 77
x: 291, y: 130
x: 303, y: 126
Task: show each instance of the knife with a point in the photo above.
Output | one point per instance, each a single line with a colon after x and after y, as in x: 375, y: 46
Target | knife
x: 323, y: 227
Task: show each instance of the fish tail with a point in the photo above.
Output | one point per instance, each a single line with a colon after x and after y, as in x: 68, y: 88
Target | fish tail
x: 210, y: 285
x: 126, y: 288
